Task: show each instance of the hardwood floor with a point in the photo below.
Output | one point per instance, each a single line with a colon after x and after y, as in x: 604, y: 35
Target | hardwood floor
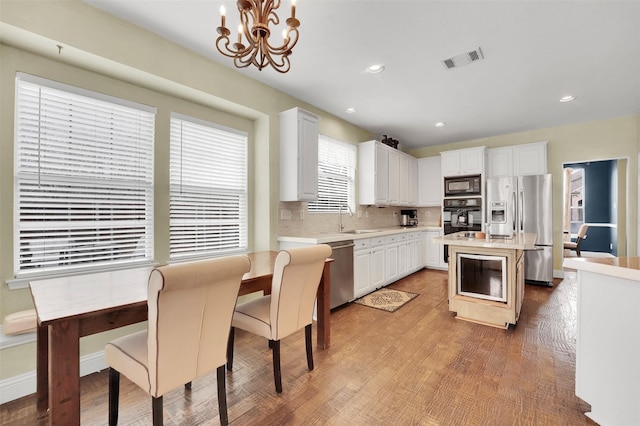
x: 417, y: 366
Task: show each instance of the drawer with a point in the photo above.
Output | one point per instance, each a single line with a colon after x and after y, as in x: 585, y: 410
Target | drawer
x: 392, y: 239
x: 403, y: 237
x: 378, y: 241
x: 362, y: 244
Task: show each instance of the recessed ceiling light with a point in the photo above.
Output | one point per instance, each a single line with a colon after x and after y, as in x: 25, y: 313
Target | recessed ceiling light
x: 439, y: 124
x: 375, y: 68
x: 350, y: 110
x: 567, y: 98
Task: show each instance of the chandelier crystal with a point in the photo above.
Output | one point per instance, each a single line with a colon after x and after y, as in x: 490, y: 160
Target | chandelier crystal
x: 255, y: 18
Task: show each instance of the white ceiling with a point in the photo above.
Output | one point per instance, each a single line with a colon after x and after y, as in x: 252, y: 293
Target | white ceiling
x: 535, y: 52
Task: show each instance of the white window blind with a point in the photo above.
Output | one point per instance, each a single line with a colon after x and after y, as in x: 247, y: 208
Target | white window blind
x: 83, y: 179
x: 336, y: 176
x: 208, y: 195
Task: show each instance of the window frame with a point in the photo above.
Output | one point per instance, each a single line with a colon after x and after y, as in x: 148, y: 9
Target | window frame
x: 231, y: 135
x: 94, y: 175
x: 350, y: 154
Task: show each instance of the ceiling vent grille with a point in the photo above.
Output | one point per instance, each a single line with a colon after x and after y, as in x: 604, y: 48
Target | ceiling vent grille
x: 463, y: 59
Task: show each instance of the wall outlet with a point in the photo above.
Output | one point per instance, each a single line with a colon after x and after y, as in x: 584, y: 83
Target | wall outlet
x: 359, y: 213
x: 366, y: 213
x: 285, y: 214
x: 301, y: 214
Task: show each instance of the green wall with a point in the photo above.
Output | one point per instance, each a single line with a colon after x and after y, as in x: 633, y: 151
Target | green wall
x: 108, y: 55
x: 104, y: 54
x: 615, y: 138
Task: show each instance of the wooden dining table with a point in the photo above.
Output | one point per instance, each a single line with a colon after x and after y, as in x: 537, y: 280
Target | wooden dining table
x: 72, y: 307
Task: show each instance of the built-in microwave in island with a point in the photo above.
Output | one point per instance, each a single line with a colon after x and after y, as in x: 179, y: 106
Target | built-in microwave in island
x: 482, y: 276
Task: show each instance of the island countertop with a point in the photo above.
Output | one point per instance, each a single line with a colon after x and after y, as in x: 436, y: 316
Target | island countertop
x: 620, y: 267
x: 518, y: 241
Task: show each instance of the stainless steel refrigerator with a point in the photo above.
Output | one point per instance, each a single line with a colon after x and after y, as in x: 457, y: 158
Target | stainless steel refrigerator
x: 524, y: 204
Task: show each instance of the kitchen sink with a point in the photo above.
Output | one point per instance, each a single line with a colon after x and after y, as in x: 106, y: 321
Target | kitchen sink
x: 360, y: 231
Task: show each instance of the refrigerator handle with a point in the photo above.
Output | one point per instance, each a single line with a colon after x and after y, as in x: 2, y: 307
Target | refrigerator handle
x: 521, y: 211
x: 514, y: 211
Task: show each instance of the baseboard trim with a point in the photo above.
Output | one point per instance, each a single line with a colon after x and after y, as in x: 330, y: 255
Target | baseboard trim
x: 25, y: 384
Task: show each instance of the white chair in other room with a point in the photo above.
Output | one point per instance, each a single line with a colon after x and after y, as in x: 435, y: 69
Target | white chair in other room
x: 575, y: 245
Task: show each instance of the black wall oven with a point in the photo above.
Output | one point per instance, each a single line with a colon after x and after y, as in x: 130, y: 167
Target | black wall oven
x: 461, y: 214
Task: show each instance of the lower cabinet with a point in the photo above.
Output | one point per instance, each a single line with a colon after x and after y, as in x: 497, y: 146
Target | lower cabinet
x: 434, y: 257
x: 392, y: 259
x: 362, y: 267
x: 379, y: 261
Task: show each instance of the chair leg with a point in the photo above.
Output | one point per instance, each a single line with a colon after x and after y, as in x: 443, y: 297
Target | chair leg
x: 187, y: 386
x: 277, y: 376
x: 309, y: 345
x: 232, y: 333
x: 156, y: 406
x: 578, y: 252
x: 114, y: 394
x: 222, y: 396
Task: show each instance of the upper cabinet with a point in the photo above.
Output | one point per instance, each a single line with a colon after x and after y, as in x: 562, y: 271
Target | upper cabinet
x: 298, y: 155
x: 429, y: 182
x: 386, y: 176
x: 518, y: 160
x: 469, y: 161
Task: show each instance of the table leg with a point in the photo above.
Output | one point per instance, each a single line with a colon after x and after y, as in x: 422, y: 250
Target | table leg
x: 323, y: 308
x: 42, y: 372
x: 64, y: 373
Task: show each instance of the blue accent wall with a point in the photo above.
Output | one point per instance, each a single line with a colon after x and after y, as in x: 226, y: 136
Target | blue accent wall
x: 600, y: 204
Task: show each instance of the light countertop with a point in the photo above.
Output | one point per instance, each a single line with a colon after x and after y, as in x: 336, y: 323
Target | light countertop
x: 331, y: 237
x: 620, y: 267
x: 519, y: 241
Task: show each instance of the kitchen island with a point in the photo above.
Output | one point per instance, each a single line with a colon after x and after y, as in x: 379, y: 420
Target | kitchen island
x: 608, y: 337
x: 486, y: 277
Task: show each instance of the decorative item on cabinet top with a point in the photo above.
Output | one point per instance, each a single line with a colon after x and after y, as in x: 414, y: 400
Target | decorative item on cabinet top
x: 390, y: 141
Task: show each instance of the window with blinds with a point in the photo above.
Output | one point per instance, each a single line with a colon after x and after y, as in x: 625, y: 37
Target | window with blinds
x: 336, y: 176
x: 208, y: 194
x: 83, y: 179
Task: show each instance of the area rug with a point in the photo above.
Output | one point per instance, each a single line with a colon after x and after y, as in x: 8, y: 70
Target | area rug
x: 386, y: 299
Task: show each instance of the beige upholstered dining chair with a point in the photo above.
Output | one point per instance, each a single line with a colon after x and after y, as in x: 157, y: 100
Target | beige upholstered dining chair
x: 582, y: 234
x: 288, y: 308
x: 190, y: 310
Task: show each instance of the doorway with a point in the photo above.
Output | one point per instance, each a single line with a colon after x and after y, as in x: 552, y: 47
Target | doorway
x: 595, y: 195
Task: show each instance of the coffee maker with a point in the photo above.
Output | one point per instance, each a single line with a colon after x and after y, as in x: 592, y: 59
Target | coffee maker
x: 408, y: 217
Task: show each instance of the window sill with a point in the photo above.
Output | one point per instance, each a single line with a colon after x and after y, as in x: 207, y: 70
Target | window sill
x: 23, y: 282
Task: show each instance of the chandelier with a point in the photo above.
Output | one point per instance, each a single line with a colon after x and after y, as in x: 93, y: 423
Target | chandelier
x: 255, y: 18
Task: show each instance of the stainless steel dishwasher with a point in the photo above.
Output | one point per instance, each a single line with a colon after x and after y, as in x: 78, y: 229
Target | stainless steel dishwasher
x: 342, y: 273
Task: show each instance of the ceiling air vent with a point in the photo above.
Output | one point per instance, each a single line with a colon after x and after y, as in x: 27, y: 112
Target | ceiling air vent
x: 463, y: 59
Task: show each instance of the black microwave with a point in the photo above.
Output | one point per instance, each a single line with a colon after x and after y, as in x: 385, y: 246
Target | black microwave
x: 462, y: 185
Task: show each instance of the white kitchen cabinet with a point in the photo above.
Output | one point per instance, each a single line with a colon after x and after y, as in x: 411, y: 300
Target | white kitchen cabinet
x: 369, y: 265
x: 394, y: 177
x: 517, y: 160
x: 405, y: 254
x: 434, y: 252
x: 404, y: 182
x: 418, y: 251
x: 373, y: 173
x: 362, y: 267
x: 500, y: 162
x: 378, y: 276
x: 530, y: 159
x: 413, y: 181
x: 298, y: 155
x: 468, y: 161
x: 430, y: 183
x: 391, y: 259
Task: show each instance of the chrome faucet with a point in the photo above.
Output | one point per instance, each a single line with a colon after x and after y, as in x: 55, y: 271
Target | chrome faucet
x: 340, y: 215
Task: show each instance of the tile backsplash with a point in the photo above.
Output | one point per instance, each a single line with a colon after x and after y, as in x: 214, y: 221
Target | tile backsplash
x: 299, y: 222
